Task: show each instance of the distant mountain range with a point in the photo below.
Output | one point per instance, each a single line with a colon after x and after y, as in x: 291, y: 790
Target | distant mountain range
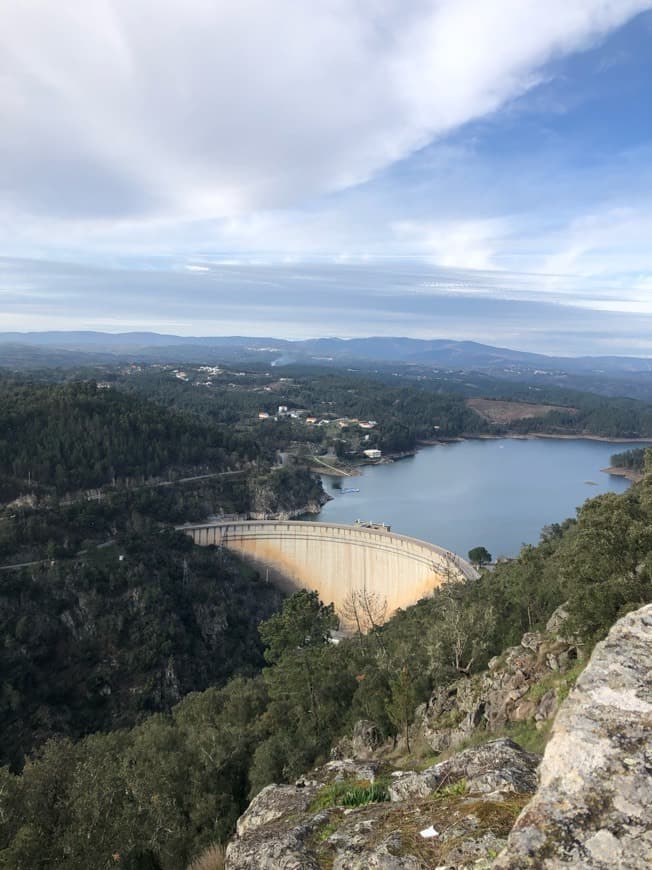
x: 29, y: 349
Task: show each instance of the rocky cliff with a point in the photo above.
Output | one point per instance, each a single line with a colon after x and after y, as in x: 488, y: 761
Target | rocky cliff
x: 523, y: 686
x: 284, y: 494
x: 593, y: 808
x: 480, y: 807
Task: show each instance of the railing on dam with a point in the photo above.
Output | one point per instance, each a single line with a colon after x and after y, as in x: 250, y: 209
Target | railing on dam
x: 338, y: 559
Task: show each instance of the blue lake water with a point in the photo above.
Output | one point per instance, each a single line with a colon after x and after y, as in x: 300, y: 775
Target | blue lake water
x: 496, y: 493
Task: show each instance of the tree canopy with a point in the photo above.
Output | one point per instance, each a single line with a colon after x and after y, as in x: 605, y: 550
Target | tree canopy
x: 479, y: 556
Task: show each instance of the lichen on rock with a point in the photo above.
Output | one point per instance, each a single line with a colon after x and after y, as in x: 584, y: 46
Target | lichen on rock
x: 494, y: 769
x: 594, y: 805
x: 286, y: 827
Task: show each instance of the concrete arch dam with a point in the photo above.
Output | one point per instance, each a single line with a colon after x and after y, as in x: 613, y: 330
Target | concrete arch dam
x: 337, y: 560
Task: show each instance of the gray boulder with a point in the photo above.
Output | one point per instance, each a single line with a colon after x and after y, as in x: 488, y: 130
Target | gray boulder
x: 275, y: 801
x: 494, y: 769
x: 594, y: 806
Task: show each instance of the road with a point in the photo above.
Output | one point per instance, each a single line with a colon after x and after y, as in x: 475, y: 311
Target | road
x: 101, y: 494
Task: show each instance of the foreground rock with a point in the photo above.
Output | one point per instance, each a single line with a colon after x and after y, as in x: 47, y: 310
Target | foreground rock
x: 496, y: 769
x: 471, y: 800
x: 594, y: 806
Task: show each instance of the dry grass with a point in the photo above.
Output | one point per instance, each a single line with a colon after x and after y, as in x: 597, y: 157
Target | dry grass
x: 497, y: 411
x: 447, y: 812
x: 211, y: 859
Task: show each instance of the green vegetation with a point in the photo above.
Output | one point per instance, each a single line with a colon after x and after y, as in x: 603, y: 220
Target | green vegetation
x: 72, y: 436
x: 177, y: 782
x: 116, y: 617
x: 143, y: 424
x: 103, y: 659
x: 404, y: 413
x: 351, y: 793
x: 530, y: 735
x: 561, y: 682
x: 633, y: 459
x: 101, y: 643
x: 479, y: 556
x: 593, y: 415
x: 409, y: 405
x: 455, y: 789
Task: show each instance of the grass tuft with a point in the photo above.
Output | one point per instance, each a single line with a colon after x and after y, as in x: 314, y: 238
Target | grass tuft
x: 455, y: 789
x: 211, y: 859
x: 350, y: 793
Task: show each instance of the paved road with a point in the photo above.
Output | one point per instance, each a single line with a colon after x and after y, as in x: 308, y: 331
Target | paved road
x: 15, y: 567
x: 101, y: 494
x: 23, y: 565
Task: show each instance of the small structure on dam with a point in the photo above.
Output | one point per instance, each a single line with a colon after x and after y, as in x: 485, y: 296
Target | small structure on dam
x: 338, y: 561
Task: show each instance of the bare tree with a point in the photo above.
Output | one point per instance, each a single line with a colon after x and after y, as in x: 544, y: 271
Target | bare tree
x: 364, y: 609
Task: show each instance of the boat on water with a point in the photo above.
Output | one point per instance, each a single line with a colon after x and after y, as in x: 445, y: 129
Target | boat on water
x: 349, y: 489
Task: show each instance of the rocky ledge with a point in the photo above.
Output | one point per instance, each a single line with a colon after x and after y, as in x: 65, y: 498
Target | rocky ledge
x: 476, y: 808
x: 594, y: 805
x: 467, y: 804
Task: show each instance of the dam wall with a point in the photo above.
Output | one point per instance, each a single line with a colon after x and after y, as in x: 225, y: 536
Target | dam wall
x: 338, y: 560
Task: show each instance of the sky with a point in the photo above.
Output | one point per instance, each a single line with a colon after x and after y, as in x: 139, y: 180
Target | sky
x: 467, y: 169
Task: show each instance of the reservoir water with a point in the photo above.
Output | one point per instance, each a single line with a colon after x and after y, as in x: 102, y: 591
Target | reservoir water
x: 496, y: 494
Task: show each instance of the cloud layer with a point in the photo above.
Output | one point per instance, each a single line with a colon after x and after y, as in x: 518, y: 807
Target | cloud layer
x: 439, y: 167
x: 127, y: 109
x: 312, y: 300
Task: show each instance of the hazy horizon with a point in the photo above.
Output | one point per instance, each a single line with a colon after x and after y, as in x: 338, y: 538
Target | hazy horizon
x: 206, y: 338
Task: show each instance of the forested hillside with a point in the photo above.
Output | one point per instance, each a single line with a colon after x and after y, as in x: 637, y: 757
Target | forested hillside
x: 99, y: 643
x: 409, y: 406
x: 405, y: 412
x: 177, y: 782
x: 117, y: 618
x: 114, y: 616
x: 73, y: 436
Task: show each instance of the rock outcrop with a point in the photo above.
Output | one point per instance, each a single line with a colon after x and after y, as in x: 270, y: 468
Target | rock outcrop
x: 470, y: 800
x: 594, y: 805
x: 592, y: 809
x: 495, y: 769
x: 284, y: 494
x: 364, y: 741
x: 524, y: 683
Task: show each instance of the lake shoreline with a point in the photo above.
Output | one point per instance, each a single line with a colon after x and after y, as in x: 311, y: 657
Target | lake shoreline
x: 628, y: 473
x: 497, y: 492
x: 325, y: 470
x: 529, y: 436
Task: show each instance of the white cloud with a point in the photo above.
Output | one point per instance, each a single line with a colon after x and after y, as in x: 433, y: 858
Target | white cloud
x: 462, y: 244
x: 611, y: 241
x: 129, y: 109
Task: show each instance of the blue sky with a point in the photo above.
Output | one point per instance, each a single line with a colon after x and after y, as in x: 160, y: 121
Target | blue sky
x: 445, y: 168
